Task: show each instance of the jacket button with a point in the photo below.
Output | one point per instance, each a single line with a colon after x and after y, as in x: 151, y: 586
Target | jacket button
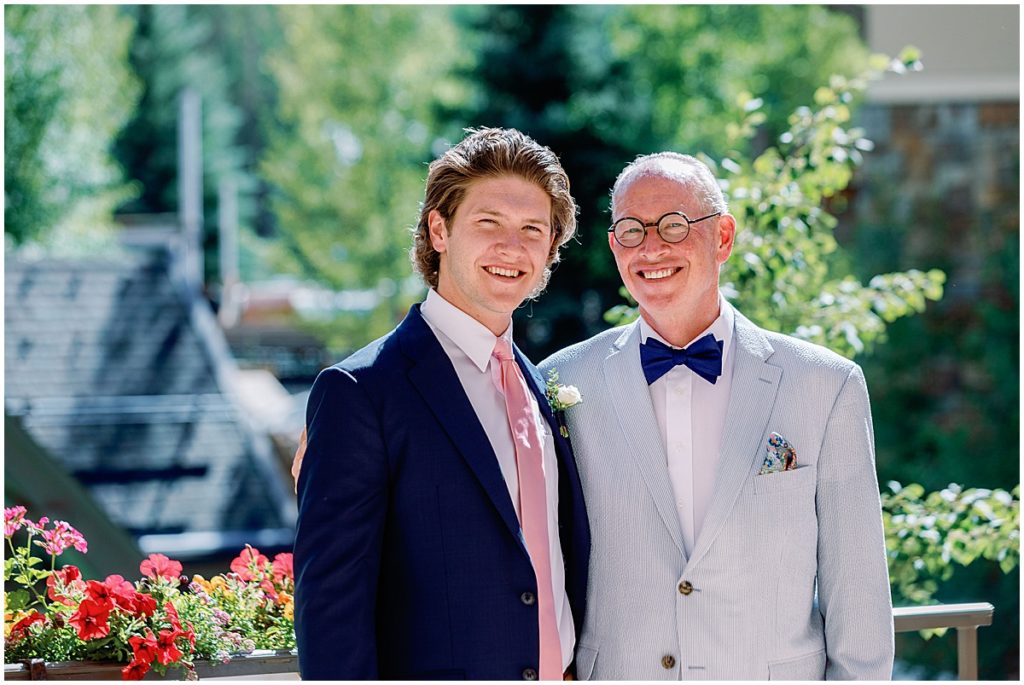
x: 528, y: 599
x: 668, y: 661
x: 529, y: 674
x: 684, y: 589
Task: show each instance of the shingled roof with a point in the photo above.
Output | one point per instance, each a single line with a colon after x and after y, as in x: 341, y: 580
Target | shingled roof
x: 126, y: 380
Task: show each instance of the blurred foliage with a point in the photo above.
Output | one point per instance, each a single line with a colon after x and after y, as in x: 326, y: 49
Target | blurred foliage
x: 927, y: 534
x: 215, y: 50
x: 945, y: 388
x: 60, y: 183
x: 355, y: 132
x: 783, y: 273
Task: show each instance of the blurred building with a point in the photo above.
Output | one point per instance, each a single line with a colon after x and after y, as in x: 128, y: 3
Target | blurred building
x: 119, y: 371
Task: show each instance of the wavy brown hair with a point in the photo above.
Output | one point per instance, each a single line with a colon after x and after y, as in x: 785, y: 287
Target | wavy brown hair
x: 488, y: 153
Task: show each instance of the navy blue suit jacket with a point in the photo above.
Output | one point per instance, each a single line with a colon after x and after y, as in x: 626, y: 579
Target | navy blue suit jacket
x: 408, y: 557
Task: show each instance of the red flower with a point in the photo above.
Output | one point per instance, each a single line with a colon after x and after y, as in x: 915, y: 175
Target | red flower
x: 172, y: 616
x: 159, y: 566
x: 91, y: 618
x: 136, y: 670
x: 143, y: 604
x: 121, y: 592
x: 68, y: 578
x: 144, y: 648
x: 283, y: 567
x: 249, y: 563
x: 166, y: 651
x: 98, y: 592
x: 21, y: 627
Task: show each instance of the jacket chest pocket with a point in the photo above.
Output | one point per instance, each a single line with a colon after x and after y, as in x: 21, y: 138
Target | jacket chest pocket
x: 800, y: 478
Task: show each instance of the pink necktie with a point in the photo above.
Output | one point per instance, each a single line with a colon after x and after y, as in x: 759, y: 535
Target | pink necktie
x: 533, y: 501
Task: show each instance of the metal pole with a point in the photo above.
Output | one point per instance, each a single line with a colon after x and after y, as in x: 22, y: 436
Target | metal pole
x: 967, y: 652
x: 190, y: 187
x: 227, y: 222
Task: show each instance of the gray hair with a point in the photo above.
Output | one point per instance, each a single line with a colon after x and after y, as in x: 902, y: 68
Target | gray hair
x: 687, y: 170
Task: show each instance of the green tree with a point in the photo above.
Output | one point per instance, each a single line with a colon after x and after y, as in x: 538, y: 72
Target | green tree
x: 601, y: 84
x: 355, y: 131
x: 786, y: 271
x: 199, y: 47
x: 68, y: 89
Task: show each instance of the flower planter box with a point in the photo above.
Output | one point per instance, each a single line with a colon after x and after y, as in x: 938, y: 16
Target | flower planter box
x: 259, y: 662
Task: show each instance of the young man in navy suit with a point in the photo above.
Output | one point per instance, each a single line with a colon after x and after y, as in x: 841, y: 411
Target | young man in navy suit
x: 441, y: 534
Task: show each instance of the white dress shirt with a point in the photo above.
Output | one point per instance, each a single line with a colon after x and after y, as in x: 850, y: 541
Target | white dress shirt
x: 691, y: 415
x: 469, y: 344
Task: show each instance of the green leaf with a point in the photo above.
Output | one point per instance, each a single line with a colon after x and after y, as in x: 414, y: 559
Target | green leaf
x: 16, y: 600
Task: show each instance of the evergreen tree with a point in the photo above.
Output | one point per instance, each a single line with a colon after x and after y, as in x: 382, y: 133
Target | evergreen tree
x: 67, y: 90
x: 602, y: 84
x: 178, y: 47
x: 348, y: 154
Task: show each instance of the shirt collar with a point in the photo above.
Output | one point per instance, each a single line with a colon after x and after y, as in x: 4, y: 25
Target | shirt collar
x: 468, y: 334
x: 721, y: 328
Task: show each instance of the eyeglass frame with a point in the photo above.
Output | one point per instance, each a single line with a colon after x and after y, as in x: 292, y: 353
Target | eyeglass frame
x: 657, y: 225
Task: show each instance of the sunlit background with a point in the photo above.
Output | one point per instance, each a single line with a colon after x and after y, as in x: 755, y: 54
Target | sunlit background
x: 206, y: 205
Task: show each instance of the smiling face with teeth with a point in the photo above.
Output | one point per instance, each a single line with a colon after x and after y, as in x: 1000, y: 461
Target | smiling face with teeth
x: 494, y: 249
x: 675, y: 284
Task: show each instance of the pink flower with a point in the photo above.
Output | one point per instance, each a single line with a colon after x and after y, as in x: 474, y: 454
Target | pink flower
x: 90, y: 621
x: 159, y: 566
x: 14, y: 519
x: 61, y: 537
x: 37, y: 527
x: 283, y: 567
x: 68, y: 579
x: 249, y: 563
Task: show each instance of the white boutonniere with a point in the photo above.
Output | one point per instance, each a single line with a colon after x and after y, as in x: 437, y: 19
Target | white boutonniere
x: 561, y: 397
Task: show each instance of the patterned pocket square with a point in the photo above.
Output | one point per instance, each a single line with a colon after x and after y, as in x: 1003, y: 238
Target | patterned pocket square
x: 779, y: 455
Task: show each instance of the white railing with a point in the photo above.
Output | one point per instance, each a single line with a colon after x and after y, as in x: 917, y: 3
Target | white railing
x: 966, y: 618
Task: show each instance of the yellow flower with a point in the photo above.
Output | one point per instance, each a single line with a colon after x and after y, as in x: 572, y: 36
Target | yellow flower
x: 219, y: 583
x: 289, y: 611
x: 202, y: 581
x: 10, y: 618
x: 284, y: 598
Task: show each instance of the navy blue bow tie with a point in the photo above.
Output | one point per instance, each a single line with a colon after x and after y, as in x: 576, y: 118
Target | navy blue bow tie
x: 704, y: 357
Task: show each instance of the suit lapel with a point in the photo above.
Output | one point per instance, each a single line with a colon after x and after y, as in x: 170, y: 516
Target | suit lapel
x: 435, y: 379
x: 625, y: 378
x: 755, y: 385
x: 538, y: 386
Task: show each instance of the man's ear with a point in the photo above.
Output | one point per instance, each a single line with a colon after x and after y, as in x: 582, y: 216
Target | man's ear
x: 726, y: 237
x: 438, y: 230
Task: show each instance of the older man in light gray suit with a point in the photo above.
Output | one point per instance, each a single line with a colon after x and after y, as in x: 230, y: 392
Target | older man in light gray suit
x: 728, y: 471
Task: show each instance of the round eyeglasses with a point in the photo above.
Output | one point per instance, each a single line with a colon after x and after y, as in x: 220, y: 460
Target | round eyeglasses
x: 673, y: 227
